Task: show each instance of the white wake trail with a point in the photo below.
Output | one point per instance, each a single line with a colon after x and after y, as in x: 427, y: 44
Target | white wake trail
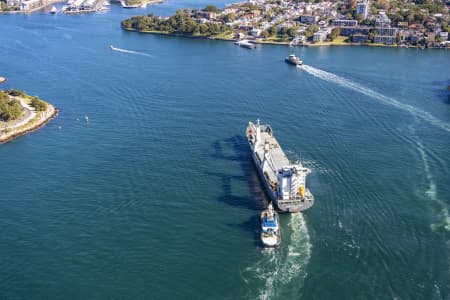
x: 423, y: 115
x: 131, y: 52
x: 282, y: 266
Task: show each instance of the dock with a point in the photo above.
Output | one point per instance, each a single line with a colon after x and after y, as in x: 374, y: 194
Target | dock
x: 84, y: 6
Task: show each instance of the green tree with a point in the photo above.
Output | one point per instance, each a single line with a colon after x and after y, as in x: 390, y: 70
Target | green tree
x: 38, y: 104
x: 211, y: 8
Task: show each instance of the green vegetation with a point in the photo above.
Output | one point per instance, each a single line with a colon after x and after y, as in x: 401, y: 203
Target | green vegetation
x: 38, y: 104
x: 180, y: 23
x: 10, y: 109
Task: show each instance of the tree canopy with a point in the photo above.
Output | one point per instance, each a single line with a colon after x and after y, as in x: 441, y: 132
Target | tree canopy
x: 10, y: 109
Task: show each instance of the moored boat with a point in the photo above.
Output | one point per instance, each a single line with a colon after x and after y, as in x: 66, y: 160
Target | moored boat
x: 53, y: 11
x: 270, y: 227
x: 293, y: 60
x: 284, y: 182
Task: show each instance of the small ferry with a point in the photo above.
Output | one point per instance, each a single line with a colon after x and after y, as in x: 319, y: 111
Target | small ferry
x: 293, y: 60
x: 284, y: 181
x: 53, y: 11
x: 270, y: 227
x: 245, y: 44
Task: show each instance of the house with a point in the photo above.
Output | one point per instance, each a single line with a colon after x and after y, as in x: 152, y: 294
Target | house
x: 360, y: 38
x: 403, y: 25
x: 308, y: 19
x: 209, y: 15
x: 382, y: 20
x: 363, y: 9
x: 443, y: 36
x: 255, y: 32
x: 349, y: 31
x: 348, y: 23
x: 383, y: 39
x: 387, y: 31
x: 320, y: 36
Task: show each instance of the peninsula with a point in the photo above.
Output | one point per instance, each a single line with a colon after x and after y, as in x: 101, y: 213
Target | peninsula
x: 21, y: 113
x: 409, y: 23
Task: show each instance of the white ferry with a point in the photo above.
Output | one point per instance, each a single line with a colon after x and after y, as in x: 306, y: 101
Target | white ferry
x: 285, y: 182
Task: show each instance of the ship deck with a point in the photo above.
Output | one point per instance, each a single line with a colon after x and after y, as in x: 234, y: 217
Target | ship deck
x: 278, y: 158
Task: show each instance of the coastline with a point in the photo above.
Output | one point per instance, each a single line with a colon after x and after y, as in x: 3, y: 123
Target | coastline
x: 322, y: 44
x: 36, y: 123
x: 22, y: 12
x: 201, y: 37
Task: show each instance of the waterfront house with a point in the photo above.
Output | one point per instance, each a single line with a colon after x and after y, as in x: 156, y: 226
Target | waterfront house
x: 348, y: 31
x: 387, y: 31
x: 320, y: 36
x: 384, y: 39
x: 360, y: 38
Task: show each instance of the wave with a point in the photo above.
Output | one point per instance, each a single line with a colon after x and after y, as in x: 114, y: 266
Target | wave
x: 131, y: 52
x: 416, y: 112
x: 279, y: 267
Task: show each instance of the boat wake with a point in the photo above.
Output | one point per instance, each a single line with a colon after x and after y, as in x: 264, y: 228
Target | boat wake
x: 280, y: 267
x: 431, y: 192
x: 416, y: 112
x: 131, y: 52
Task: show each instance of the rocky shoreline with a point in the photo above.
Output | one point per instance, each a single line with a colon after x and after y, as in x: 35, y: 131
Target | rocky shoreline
x: 39, y: 121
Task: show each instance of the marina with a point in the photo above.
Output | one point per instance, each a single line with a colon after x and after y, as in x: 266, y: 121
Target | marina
x: 84, y: 6
x: 284, y: 182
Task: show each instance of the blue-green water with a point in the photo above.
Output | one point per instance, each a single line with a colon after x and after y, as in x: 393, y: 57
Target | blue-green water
x: 156, y: 197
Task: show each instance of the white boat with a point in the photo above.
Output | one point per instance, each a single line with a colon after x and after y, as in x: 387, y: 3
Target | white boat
x: 245, y: 44
x: 270, y: 227
x: 285, y: 182
x: 144, y: 5
x: 53, y: 11
x: 293, y: 60
x: 125, y: 4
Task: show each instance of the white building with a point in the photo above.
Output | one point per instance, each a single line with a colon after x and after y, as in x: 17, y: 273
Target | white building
x: 320, y: 36
x: 363, y: 9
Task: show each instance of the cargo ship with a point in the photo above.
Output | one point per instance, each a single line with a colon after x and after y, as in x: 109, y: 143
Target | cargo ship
x: 284, y: 182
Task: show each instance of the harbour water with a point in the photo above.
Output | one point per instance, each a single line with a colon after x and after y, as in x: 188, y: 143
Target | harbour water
x: 156, y: 196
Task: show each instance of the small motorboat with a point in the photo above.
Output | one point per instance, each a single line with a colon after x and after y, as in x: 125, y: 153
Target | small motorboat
x: 245, y: 44
x: 53, y: 11
x: 293, y: 60
x: 270, y: 227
